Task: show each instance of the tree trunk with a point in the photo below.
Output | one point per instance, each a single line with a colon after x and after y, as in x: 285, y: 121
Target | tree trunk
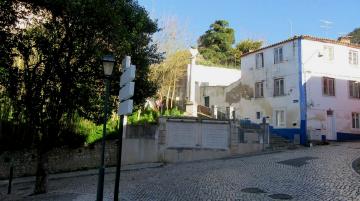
x: 42, y: 172
x: 159, y: 104
x: 167, y: 97
x: 139, y: 114
x: 173, y: 93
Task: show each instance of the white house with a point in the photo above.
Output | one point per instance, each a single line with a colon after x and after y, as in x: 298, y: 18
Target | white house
x: 306, y: 86
x: 199, y: 76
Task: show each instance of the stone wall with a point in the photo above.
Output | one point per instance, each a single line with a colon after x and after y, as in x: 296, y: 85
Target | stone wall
x: 140, y: 146
x: 64, y: 159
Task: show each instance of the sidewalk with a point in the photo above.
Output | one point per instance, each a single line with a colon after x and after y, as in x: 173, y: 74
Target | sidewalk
x: 22, y: 194
x: 81, y: 173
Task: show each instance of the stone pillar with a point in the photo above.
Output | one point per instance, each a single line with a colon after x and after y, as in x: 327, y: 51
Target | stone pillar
x: 232, y: 112
x: 234, y: 138
x: 215, y: 111
x: 162, y: 132
x: 191, y: 109
x: 194, y: 52
x: 191, y: 82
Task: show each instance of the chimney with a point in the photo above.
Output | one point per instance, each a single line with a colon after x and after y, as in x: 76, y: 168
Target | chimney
x: 345, y: 39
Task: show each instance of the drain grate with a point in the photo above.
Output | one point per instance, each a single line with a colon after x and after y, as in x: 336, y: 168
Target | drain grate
x: 281, y: 196
x: 297, y: 162
x: 253, y: 190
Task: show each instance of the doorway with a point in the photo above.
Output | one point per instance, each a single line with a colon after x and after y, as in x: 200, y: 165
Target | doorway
x: 331, y: 125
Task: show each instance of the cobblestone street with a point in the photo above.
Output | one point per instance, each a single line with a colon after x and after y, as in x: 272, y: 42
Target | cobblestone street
x: 317, y: 173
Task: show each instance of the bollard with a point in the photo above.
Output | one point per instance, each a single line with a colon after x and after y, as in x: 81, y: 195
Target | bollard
x: 10, y: 179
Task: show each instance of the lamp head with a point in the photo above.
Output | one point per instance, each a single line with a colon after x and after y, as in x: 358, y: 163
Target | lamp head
x: 108, y: 64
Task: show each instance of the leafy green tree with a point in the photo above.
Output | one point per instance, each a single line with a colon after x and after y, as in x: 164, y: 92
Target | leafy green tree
x: 245, y: 46
x: 51, y: 66
x: 7, y: 18
x: 216, y: 44
x: 248, y: 45
x: 355, y: 36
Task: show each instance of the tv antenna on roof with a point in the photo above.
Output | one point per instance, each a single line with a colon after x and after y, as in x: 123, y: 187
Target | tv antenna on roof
x: 326, y: 25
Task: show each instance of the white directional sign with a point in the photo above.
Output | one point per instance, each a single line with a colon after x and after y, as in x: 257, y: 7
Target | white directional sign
x: 128, y: 75
x: 125, y: 107
x: 127, y: 87
x: 126, y: 62
x: 127, y: 91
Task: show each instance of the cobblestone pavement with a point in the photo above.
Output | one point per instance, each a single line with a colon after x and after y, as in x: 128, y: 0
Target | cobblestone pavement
x: 318, y: 173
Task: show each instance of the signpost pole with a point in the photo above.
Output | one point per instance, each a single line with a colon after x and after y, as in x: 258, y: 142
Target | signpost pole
x: 125, y: 108
x: 118, y: 164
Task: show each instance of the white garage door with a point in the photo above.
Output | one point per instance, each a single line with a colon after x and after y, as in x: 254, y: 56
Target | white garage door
x: 180, y: 134
x: 215, y: 136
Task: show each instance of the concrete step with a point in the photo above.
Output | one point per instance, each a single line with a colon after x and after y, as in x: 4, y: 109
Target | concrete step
x: 288, y: 147
x: 279, y: 143
x: 272, y: 142
x: 286, y: 141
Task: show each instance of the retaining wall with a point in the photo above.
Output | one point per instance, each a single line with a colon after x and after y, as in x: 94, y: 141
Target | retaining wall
x: 212, y: 139
x: 64, y: 159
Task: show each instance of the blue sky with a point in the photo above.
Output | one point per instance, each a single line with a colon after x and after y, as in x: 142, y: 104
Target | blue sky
x: 268, y: 20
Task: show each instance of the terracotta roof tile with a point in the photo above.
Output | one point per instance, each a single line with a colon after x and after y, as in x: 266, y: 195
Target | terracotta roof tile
x: 307, y: 37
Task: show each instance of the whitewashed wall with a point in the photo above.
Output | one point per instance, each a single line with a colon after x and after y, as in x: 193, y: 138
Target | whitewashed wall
x: 288, y: 69
x: 315, y: 68
x: 199, y: 75
x: 216, y: 94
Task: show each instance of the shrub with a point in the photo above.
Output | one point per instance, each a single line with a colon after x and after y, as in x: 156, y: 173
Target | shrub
x: 173, y: 113
x: 143, y: 117
x: 149, y: 116
x: 94, y: 132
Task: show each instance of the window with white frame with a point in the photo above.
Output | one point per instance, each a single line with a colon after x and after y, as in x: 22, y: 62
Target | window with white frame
x: 278, y: 55
x: 355, y: 120
x: 329, y: 52
x: 279, y: 118
x: 259, y: 60
x: 353, y: 57
x: 354, y: 89
x: 279, y: 87
x: 328, y: 86
x: 259, y: 89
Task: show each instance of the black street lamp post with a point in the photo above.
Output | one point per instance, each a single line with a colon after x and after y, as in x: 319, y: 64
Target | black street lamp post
x: 108, y: 64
